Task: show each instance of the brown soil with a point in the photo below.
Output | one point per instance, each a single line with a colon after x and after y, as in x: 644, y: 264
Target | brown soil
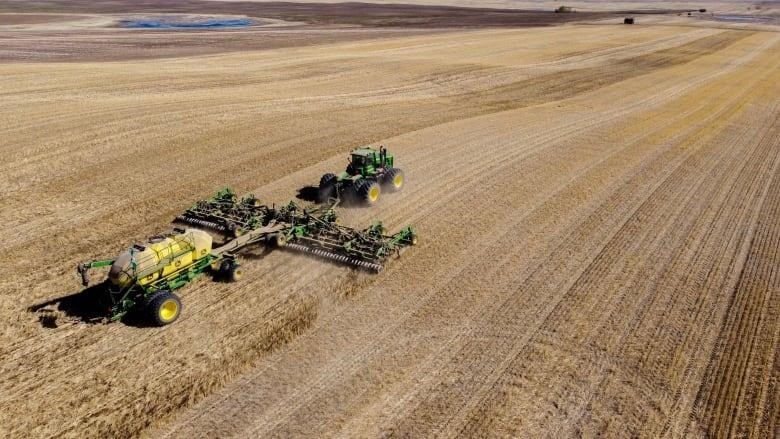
x: 597, y: 211
x: 352, y: 13
x: 113, y: 45
x: 9, y: 19
x: 316, y: 23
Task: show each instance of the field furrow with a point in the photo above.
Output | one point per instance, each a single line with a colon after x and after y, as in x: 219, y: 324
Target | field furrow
x: 596, y: 205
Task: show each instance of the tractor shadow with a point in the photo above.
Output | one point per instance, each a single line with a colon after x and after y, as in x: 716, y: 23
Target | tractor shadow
x: 85, y: 306
x: 310, y: 194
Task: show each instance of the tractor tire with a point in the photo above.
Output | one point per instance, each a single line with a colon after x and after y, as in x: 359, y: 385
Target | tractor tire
x: 393, y: 180
x: 327, y: 187
x: 368, y: 191
x: 164, y: 308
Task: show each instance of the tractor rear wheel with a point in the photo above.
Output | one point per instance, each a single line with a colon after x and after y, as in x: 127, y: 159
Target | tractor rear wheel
x: 368, y: 191
x: 164, y: 308
x: 327, y: 187
x: 393, y: 179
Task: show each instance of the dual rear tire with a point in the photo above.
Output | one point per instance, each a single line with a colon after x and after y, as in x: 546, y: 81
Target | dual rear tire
x: 367, y: 191
x: 393, y: 180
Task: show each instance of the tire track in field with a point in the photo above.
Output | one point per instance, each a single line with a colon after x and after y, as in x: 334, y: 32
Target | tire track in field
x: 483, y: 344
x: 736, y: 398
x: 114, y: 349
x: 106, y: 217
x: 632, y: 406
x: 522, y: 93
x: 287, y: 400
x: 618, y: 137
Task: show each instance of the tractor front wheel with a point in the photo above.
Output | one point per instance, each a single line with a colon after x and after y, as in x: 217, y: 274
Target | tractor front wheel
x: 368, y: 191
x: 164, y: 308
x: 393, y: 179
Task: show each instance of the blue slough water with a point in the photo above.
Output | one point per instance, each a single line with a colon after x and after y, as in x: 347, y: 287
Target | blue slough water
x: 163, y: 23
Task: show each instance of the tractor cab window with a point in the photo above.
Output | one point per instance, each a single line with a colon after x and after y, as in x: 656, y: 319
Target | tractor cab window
x: 358, y: 160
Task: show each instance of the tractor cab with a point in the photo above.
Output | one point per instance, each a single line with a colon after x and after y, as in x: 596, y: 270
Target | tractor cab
x: 367, y: 161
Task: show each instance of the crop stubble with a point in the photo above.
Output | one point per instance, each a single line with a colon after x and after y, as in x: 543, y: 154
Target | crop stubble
x: 574, y: 269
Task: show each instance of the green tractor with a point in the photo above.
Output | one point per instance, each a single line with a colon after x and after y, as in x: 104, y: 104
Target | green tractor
x: 370, y: 171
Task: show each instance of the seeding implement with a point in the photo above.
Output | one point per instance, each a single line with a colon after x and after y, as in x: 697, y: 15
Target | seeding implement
x: 226, y: 214
x: 146, y: 275
x: 369, y: 172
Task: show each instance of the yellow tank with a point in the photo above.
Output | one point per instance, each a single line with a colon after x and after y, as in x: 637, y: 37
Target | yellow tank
x: 159, y: 257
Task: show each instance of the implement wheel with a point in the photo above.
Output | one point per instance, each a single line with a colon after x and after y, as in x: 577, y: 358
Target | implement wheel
x: 393, y: 180
x: 368, y: 191
x: 164, y: 308
x: 277, y: 240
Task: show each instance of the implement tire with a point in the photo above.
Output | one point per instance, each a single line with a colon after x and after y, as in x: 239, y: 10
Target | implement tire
x: 164, y: 308
x: 277, y: 240
x: 393, y: 180
x: 368, y: 191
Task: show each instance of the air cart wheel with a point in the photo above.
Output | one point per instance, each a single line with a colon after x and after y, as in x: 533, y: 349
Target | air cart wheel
x: 164, y: 308
x: 231, y: 271
x: 394, y: 180
x: 368, y: 191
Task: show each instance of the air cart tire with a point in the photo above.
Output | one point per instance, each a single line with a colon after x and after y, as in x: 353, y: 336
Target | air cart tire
x: 394, y: 180
x: 164, y: 308
x: 231, y: 271
x: 368, y: 192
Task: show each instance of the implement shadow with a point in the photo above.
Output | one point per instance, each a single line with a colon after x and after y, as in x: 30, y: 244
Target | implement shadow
x: 86, y: 306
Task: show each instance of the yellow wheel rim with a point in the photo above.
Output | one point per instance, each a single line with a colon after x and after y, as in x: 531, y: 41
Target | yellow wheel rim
x: 398, y: 181
x: 237, y: 274
x: 373, y: 194
x: 169, y: 310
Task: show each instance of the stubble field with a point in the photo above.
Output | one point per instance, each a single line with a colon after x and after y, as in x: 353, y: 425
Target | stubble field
x: 599, y: 217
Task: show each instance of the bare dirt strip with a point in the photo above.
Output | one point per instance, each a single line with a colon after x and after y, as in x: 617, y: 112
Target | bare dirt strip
x: 736, y: 398
x: 597, y: 212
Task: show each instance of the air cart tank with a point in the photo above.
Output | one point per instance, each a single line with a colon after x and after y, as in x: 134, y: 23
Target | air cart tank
x: 161, y: 256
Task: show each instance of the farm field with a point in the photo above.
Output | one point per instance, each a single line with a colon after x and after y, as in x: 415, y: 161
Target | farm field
x: 598, y: 209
